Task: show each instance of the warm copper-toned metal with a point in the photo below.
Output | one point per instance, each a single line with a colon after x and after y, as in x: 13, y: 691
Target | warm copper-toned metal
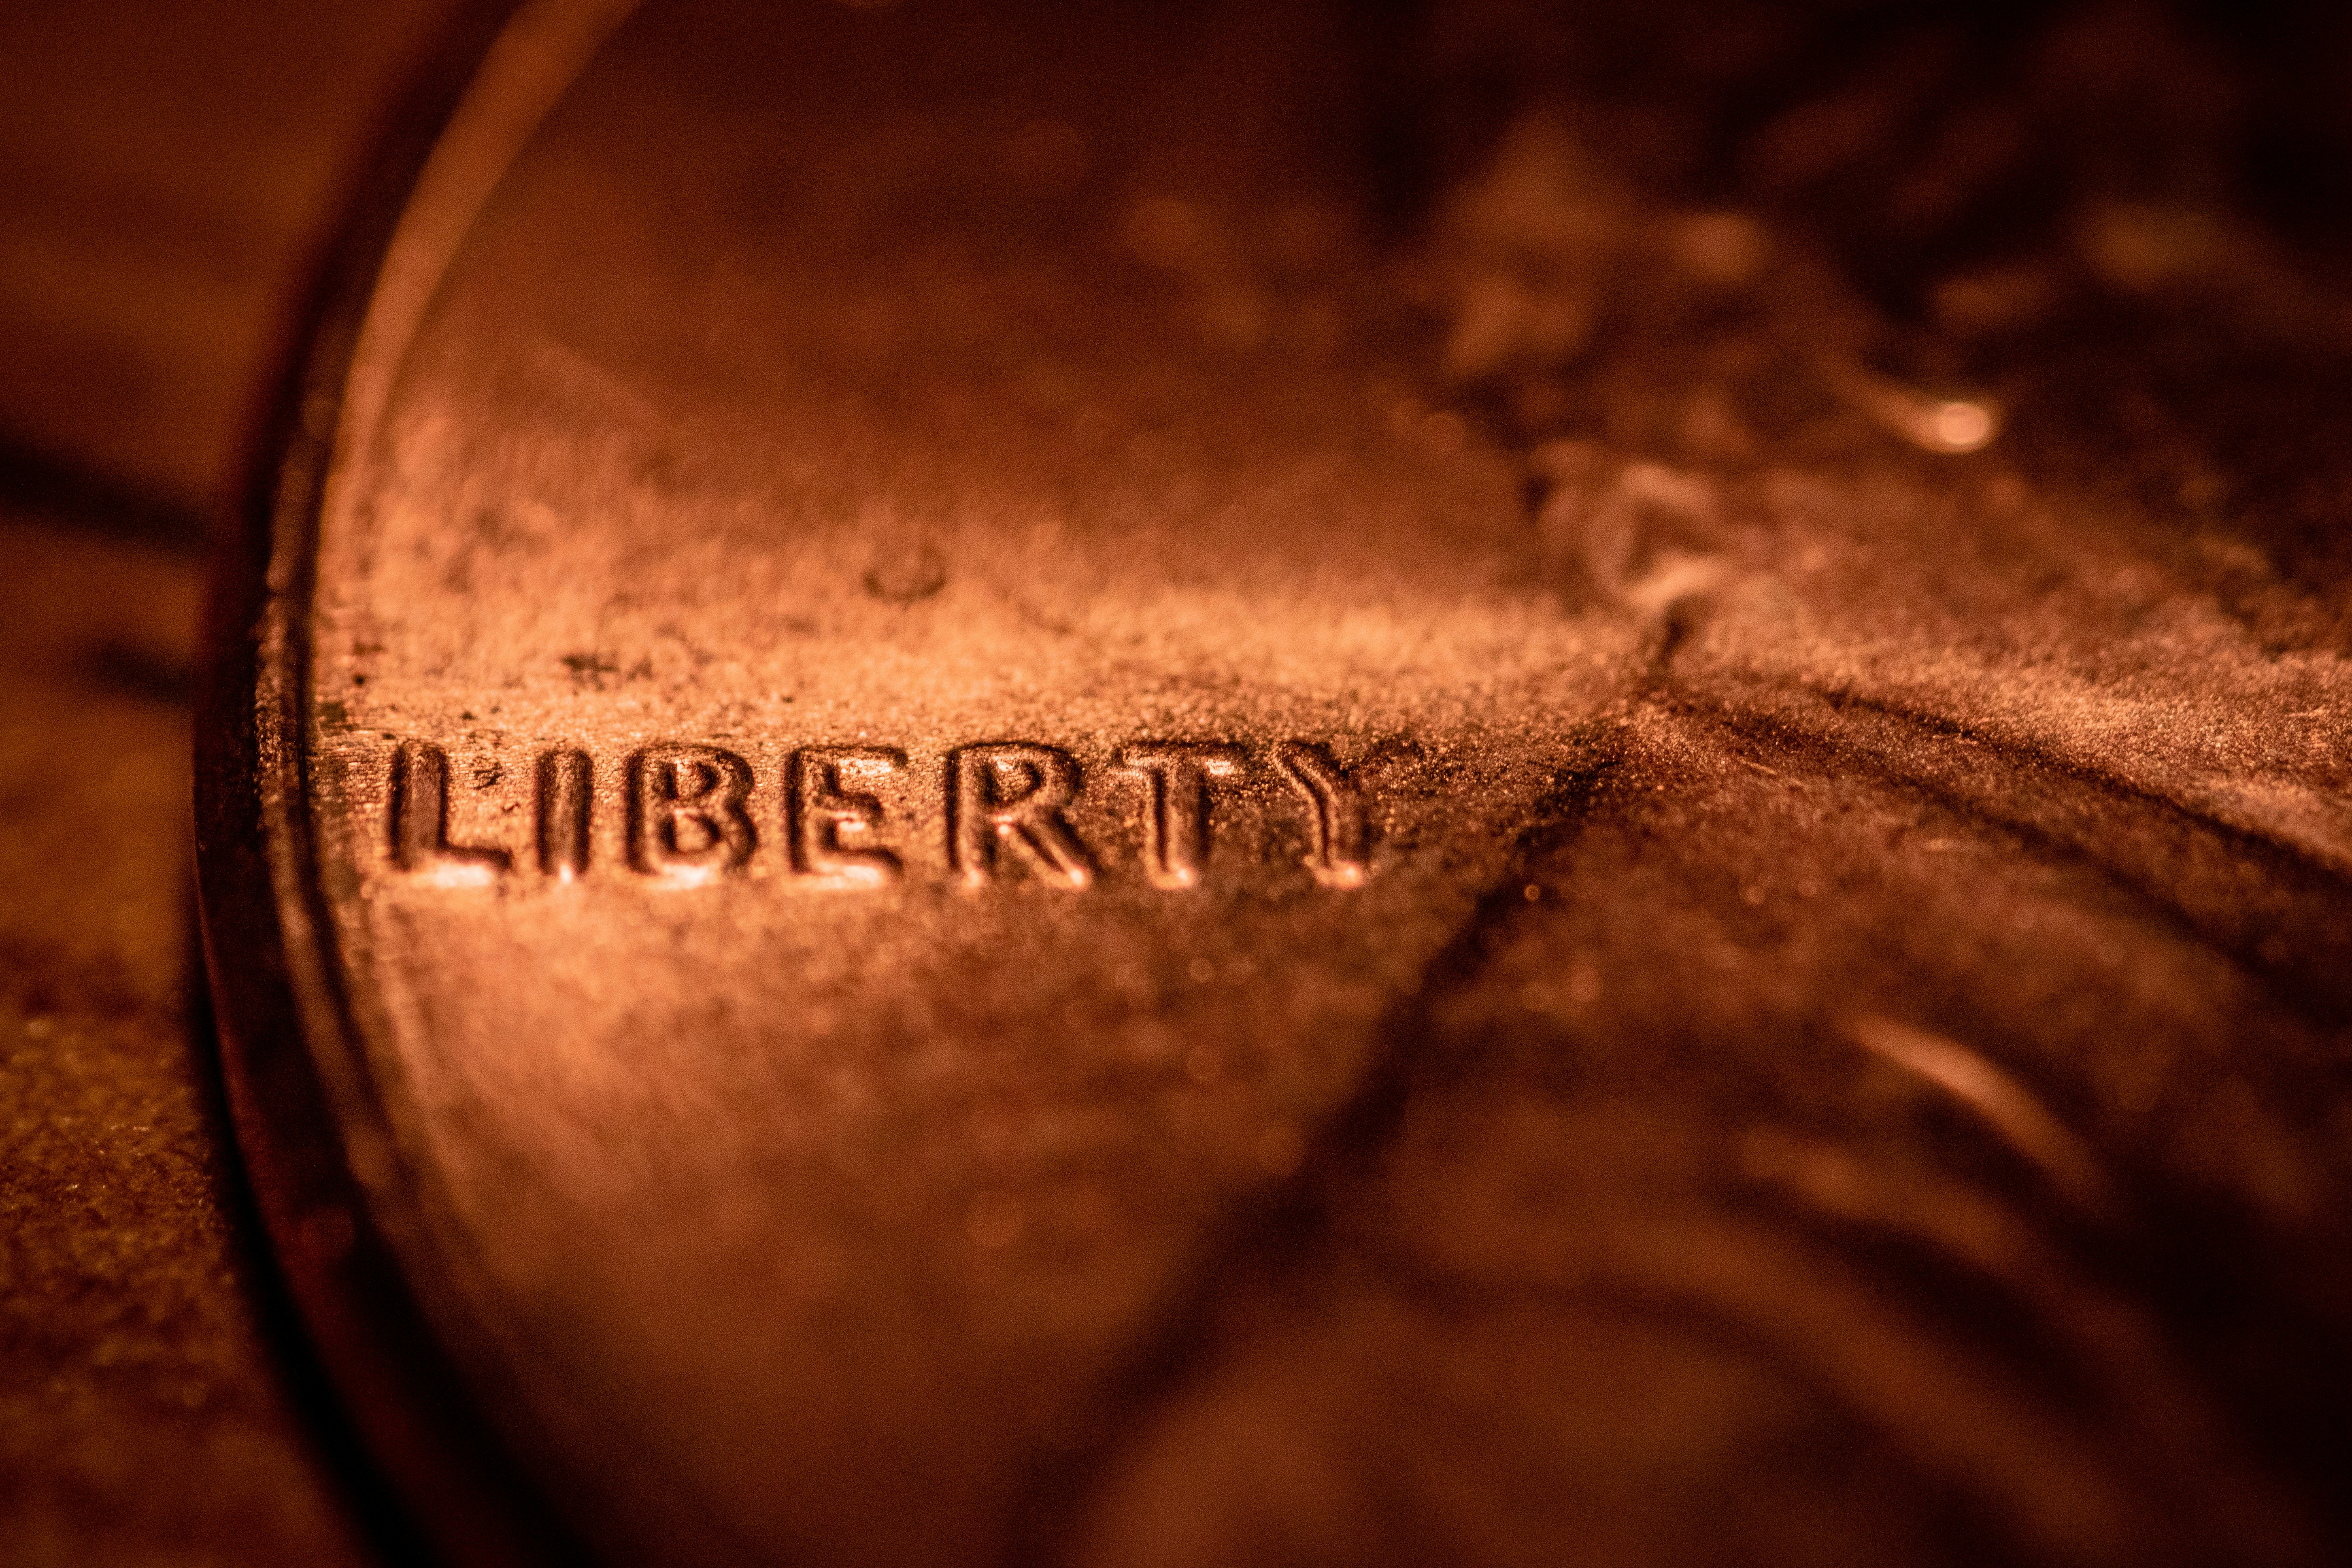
x: 964, y: 817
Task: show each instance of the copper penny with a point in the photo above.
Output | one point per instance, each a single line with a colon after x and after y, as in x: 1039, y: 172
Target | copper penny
x: 954, y: 814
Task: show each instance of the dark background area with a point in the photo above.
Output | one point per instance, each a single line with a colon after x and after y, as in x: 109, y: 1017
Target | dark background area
x: 169, y: 174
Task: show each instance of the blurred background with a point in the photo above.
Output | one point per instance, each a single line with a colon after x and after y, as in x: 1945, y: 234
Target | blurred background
x: 170, y: 174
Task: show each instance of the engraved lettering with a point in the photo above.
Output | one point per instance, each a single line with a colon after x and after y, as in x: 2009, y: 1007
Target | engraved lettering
x: 1014, y: 794
x: 1009, y: 808
x: 686, y: 811
x: 564, y: 779
x: 824, y: 811
x: 420, y: 820
x: 1338, y: 854
x: 1176, y: 807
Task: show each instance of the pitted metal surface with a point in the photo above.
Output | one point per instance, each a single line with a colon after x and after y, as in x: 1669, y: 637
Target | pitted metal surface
x: 1010, y: 829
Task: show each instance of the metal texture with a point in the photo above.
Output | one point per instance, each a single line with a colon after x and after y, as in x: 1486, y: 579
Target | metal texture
x: 982, y: 803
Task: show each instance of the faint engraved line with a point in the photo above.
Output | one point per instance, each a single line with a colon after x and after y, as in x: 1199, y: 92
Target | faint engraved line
x: 2021, y: 1120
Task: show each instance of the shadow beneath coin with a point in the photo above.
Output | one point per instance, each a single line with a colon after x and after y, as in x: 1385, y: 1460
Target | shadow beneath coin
x: 73, y: 499
x: 366, y: 1498
x: 123, y: 669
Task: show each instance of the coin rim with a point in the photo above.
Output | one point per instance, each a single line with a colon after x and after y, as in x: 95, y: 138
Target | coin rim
x: 414, y: 1376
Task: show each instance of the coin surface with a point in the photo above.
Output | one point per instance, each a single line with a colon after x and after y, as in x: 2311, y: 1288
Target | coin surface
x: 967, y: 810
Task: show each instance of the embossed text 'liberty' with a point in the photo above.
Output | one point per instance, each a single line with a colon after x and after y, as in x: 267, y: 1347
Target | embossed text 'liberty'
x: 691, y: 813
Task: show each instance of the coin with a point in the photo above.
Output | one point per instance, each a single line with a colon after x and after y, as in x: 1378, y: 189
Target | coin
x: 961, y: 816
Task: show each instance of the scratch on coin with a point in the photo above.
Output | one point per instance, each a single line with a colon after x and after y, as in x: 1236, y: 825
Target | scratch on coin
x: 2022, y: 1121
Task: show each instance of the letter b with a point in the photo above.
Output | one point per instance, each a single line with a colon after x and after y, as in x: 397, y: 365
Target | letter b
x: 686, y: 811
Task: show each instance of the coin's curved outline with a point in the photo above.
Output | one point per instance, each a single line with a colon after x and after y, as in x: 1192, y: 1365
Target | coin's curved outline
x: 311, y: 1128
x: 347, y: 1216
